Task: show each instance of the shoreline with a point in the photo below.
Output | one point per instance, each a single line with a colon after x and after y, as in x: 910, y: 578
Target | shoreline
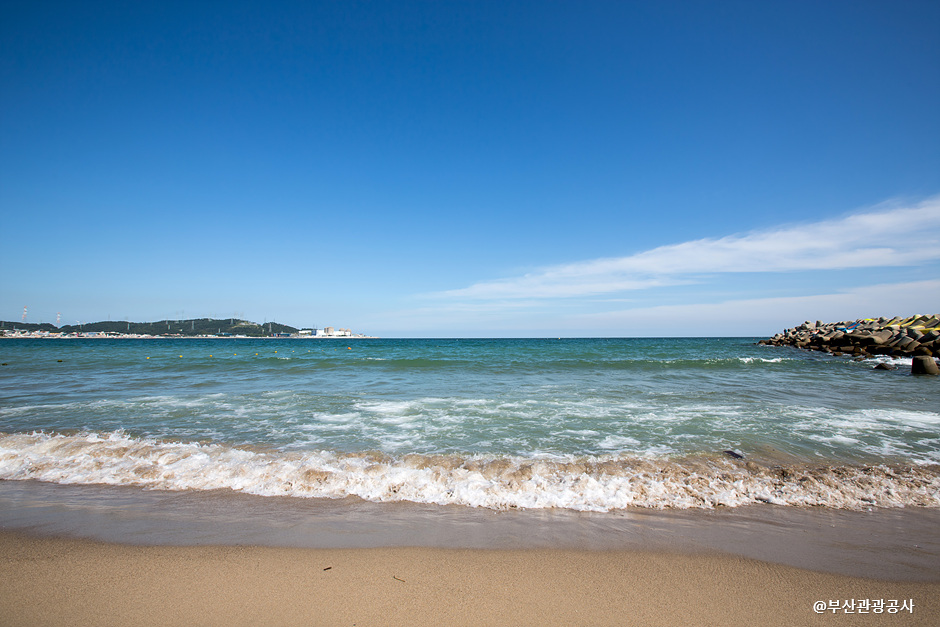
x: 67, y: 581
x: 561, y: 541
x: 899, y: 544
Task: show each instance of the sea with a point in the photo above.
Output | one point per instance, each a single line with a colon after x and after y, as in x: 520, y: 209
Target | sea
x: 582, y: 424
x: 558, y: 426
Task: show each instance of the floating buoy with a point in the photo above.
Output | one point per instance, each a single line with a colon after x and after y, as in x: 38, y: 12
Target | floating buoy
x: 148, y: 358
x: 349, y: 348
x: 59, y: 360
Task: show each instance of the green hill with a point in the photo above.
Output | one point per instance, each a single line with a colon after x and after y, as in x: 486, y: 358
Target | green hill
x: 195, y: 326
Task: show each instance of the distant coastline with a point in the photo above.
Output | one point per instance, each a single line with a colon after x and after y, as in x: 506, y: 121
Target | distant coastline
x: 204, y: 328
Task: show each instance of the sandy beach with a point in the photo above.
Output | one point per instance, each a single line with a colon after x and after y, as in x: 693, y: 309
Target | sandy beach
x: 55, y: 581
x: 418, y: 482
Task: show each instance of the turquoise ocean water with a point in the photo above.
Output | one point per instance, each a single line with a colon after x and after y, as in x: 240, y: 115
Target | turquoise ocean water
x: 577, y: 424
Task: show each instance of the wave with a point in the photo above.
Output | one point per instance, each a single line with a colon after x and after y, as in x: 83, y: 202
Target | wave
x: 594, y: 483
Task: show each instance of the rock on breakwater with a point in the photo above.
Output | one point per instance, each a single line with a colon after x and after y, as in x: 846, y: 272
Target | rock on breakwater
x: 867, y: 337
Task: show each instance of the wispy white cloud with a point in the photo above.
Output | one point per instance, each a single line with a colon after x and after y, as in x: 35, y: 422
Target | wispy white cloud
x: 763, y: 316
x: 885, y: 237
x: 748, y: 316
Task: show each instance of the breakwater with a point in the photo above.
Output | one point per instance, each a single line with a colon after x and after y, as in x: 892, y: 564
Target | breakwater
x: 914, y: 337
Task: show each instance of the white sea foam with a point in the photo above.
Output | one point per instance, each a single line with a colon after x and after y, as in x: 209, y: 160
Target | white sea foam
x: 389, y: 408
x: 334, y: 420
x: 887, y: 359
x: 835, y: 439
x: 597, y: 483
x: 617, y: 442
x: 885, y: 433
x: 901, y: 417
x: 579, y: 432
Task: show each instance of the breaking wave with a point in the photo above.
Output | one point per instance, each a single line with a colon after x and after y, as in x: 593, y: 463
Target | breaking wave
x: 588, y: 483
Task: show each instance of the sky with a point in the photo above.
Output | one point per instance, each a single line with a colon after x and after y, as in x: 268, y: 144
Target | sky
x: 471, y: 169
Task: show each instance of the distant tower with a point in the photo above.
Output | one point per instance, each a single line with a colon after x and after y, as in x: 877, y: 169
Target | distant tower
x: 58, y: 318
x: 24, y: 313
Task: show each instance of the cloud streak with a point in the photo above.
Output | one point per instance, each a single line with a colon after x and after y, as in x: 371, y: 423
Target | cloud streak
x: 900, y: 236
x: 761, y: 316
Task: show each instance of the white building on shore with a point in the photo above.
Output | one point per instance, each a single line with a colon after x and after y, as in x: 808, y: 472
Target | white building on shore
x: 331, y: 332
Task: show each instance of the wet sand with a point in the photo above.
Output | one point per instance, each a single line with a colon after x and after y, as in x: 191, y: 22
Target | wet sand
x: 101, y: 555
x: 56, y: 581
x: 888, y: 544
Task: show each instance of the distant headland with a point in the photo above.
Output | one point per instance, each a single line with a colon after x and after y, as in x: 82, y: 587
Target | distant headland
x: 193, y: 327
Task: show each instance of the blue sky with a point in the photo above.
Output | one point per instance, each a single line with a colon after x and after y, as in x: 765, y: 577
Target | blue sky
x: 471, y: 168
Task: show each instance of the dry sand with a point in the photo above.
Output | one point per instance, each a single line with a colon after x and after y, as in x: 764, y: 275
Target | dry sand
x: 51, y: 581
